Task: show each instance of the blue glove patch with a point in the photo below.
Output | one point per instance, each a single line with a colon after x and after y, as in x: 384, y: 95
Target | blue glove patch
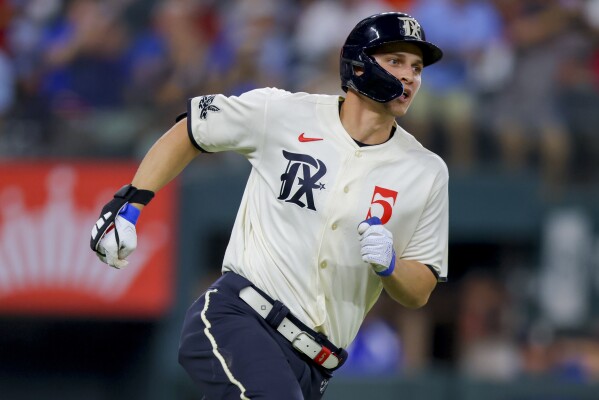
x: 389, y: 270
x: 130, y: 213
x: 373, y: 221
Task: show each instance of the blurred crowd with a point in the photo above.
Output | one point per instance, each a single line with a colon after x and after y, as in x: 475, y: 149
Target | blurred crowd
x: 517, y: 91
x: 517, y: 88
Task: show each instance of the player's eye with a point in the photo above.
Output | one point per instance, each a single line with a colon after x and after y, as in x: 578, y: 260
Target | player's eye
x: 394, y: 61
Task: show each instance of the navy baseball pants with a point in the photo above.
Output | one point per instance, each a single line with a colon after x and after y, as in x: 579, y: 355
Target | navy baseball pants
x: 231, y: 352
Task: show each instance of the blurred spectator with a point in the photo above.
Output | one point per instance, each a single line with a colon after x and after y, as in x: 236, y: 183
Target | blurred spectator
x: 83, y: 59
x: 564, y: 278
x: 5, y: 17
x: 578, y: 77
x: 566, y: 357
x: 324, y: 78
x: 322, y: 28
x: 7, y: 76
x: 177, y: 53
x: 7, y: 84
x: 464, y: 29
x: 486, y: 346
x: 27, y: 129
x: 535, y: 349
x: 24, y: 37
x: 185, y: 52
x: 83, y: 79
x: 527, y: 117
x: 259, y: 44
x: 377, y: 349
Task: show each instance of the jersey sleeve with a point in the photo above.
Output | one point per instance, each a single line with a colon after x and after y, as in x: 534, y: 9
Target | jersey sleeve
x: 430, y: 240
x: 218, y: 123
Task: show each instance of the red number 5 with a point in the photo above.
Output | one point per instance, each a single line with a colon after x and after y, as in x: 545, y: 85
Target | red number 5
x: 385, y: 198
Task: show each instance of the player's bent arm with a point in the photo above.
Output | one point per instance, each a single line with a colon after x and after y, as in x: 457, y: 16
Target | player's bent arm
x: 166, y: 159
x: 410, y: 284
x: 113, y: 236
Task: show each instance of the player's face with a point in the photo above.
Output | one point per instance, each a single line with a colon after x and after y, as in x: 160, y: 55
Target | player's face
x: 403, y: 61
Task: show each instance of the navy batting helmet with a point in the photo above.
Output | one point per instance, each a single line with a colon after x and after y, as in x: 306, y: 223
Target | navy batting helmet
x: 390, y: 27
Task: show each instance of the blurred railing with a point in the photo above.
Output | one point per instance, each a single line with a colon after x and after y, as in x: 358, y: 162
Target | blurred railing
x: 446, y: 386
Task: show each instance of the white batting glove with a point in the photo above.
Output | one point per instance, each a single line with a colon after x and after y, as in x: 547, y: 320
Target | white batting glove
x: 120, y: 240
x: 377, y: 246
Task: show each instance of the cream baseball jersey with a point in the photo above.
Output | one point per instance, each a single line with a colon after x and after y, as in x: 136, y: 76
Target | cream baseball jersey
x: 295, y: 234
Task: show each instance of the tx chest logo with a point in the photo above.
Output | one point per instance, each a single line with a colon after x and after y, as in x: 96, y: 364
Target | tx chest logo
x: 382, y: 204
x: 308, y: 172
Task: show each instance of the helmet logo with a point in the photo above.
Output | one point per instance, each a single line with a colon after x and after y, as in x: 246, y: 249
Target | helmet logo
x: 411, y: 27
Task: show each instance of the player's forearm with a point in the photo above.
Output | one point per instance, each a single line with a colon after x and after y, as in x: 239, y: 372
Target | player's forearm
x: 166, y: 159
x: 410, y: 284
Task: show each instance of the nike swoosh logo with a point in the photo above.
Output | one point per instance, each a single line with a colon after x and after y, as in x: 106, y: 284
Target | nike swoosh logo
x: 302, y: 138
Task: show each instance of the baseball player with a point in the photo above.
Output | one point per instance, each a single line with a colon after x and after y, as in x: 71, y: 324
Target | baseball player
x: 340, y: 204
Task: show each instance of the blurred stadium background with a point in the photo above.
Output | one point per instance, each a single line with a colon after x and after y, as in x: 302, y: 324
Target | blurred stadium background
x: 86, y: 86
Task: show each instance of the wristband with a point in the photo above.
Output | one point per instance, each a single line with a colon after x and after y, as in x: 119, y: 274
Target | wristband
x: 134, y: 195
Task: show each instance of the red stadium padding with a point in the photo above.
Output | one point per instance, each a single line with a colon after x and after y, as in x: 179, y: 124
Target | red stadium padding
x: 46, y: 266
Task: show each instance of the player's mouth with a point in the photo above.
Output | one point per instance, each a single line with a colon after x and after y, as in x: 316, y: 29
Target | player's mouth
x: 405, y: 96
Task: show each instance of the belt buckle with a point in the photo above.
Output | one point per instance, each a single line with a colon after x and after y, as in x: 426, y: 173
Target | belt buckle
x: 304, y: 343
x: 319, y: 353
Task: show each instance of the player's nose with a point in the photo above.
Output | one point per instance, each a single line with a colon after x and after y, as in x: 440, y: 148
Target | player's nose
x: 406, y: 75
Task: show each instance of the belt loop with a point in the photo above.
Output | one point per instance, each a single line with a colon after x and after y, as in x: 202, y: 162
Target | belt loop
x: 276, y: 315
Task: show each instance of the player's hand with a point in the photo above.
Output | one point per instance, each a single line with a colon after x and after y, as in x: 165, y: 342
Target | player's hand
x: 120, y: 239
x: 377, y: 246
x: 113, y: 236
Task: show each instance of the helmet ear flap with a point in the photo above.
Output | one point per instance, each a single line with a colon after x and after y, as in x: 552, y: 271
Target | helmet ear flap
x: 350, y: 56
x: 374, y: 82
x: 347, y: 72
